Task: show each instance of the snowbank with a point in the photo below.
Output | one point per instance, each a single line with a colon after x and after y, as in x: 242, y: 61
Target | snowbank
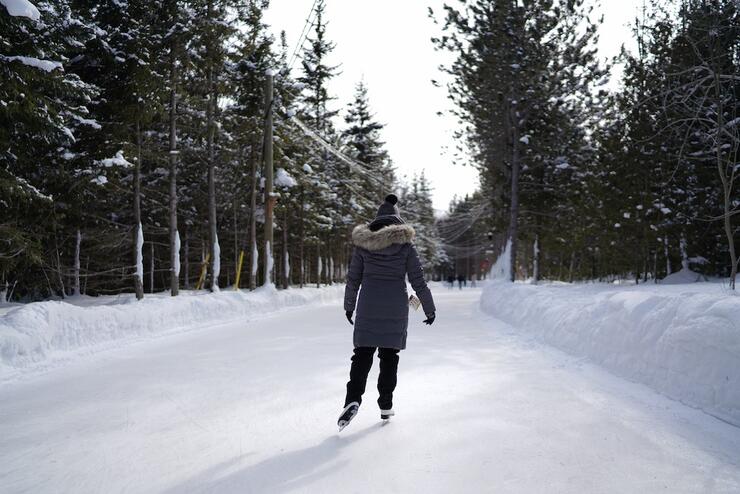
x: 40, y: 334
x: 682, y: 277
x: 681, y: 340
x: 21, y: 8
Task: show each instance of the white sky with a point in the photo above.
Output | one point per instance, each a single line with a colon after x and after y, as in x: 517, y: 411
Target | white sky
x: 388, y: 43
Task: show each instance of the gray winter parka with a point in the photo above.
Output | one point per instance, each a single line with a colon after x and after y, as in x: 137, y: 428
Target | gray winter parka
x: 380, y: 262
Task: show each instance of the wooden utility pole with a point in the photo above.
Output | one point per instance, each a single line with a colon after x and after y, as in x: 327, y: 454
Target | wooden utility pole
x: 253, y: 226
x: 269, y: 199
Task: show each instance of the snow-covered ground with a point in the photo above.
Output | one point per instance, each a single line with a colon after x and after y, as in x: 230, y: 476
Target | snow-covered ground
x: 682, y: 340
x: 38, y: 336
x: 250, y: 407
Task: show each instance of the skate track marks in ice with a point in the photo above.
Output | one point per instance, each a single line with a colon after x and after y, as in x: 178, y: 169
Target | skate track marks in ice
x: 251, y: 408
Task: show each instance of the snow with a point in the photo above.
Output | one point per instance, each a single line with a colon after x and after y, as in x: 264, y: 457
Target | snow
x: 89, y: 122
x: 176, y: 267
x: 255, y: 258
x: 40, y: 335
x: 140, y: 254
x: 250, y: 406
x: 682, y: 340
x: 283, y: 179
x: 100, y: 180
x: 524, y: 139
x: 216, y: 263
x: 286, y: 264
x: 117, y: 160
x: 307, y: 168
x: 270, y: 263
x: 683, y: 276
x: 501, y: 269
x: 21, y: 8
x: 37, y: 63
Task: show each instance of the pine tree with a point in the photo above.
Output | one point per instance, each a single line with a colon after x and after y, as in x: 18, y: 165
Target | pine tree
x: 416, y: 201
x: 316, y: 74
x: 43, y: 111
x: 523, y: 72
x: 362, y: 140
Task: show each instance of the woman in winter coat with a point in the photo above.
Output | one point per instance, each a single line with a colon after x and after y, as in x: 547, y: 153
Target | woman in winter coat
x: 383, y: 256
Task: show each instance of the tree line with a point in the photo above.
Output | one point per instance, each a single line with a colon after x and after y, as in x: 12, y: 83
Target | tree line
x: 131, y: 142
x: 587, y: 182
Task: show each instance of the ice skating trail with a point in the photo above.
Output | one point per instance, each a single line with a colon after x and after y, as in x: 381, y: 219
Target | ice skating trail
x: 252, y: 408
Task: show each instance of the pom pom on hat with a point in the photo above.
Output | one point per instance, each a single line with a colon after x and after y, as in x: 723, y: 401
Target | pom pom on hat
x: 391, y: 198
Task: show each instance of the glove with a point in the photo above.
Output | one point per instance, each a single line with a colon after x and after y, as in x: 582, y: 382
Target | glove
x: 349, y: 317
x: 430, y: 319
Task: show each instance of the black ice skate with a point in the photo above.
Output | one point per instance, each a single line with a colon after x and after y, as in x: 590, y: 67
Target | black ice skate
x: 348, y: 414
x: 386, y: 414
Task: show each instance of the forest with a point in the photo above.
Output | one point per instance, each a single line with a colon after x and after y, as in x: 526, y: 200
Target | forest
x: 132, y: 146
x: 587, y: 182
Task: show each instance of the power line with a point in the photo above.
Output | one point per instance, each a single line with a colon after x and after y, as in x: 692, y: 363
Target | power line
x: 303, y: 36
x: 337, y: 153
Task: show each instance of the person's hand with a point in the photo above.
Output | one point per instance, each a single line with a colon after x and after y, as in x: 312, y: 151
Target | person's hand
x: 430, y: 319
x: 349, y: 317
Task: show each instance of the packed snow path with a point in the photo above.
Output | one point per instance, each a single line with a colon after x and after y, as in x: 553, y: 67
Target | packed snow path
x: 251, y: 408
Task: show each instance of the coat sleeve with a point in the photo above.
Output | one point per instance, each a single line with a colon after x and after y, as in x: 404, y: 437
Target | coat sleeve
x: 416, y: 277
x: 354, y: 278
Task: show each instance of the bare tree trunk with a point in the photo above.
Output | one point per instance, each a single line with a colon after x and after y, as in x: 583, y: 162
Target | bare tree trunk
x: 286, y: 254
x: 571, y: 266
x: 318, y: 262
x: 174, y: 234
x: 87, y: 269
x: 645, y: 267
x: 138, y: 234
x: 536, y: 260
x: 655, y: 266
x: 78, y: 241
x: 727, y: 182
x: 684, y: 253
x: 60, y: 277
x: 236, y: 242
x: 329, y: 261
x: 151, y: 272
x: 728, y: 233
x: 668, y: 268
x: 210, y: 118
x: 515, y: 168
x: 187, y: 258
x: 302, y: 274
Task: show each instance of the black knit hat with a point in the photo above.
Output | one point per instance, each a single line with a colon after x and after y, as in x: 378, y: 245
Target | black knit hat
x: 388, y: 213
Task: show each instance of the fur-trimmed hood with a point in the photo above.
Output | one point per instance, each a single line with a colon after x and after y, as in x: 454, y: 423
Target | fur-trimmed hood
x: 385, y: 237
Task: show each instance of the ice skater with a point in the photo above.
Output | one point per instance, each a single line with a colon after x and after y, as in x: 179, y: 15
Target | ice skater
x: 383, y: 256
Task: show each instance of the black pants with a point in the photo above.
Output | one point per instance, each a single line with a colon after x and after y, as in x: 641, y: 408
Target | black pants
x: 362, y: 361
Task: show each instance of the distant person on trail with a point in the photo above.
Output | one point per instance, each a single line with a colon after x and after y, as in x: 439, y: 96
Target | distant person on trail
x: 451, y: 281
x: 383, y: 256
x: 460, y: 281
